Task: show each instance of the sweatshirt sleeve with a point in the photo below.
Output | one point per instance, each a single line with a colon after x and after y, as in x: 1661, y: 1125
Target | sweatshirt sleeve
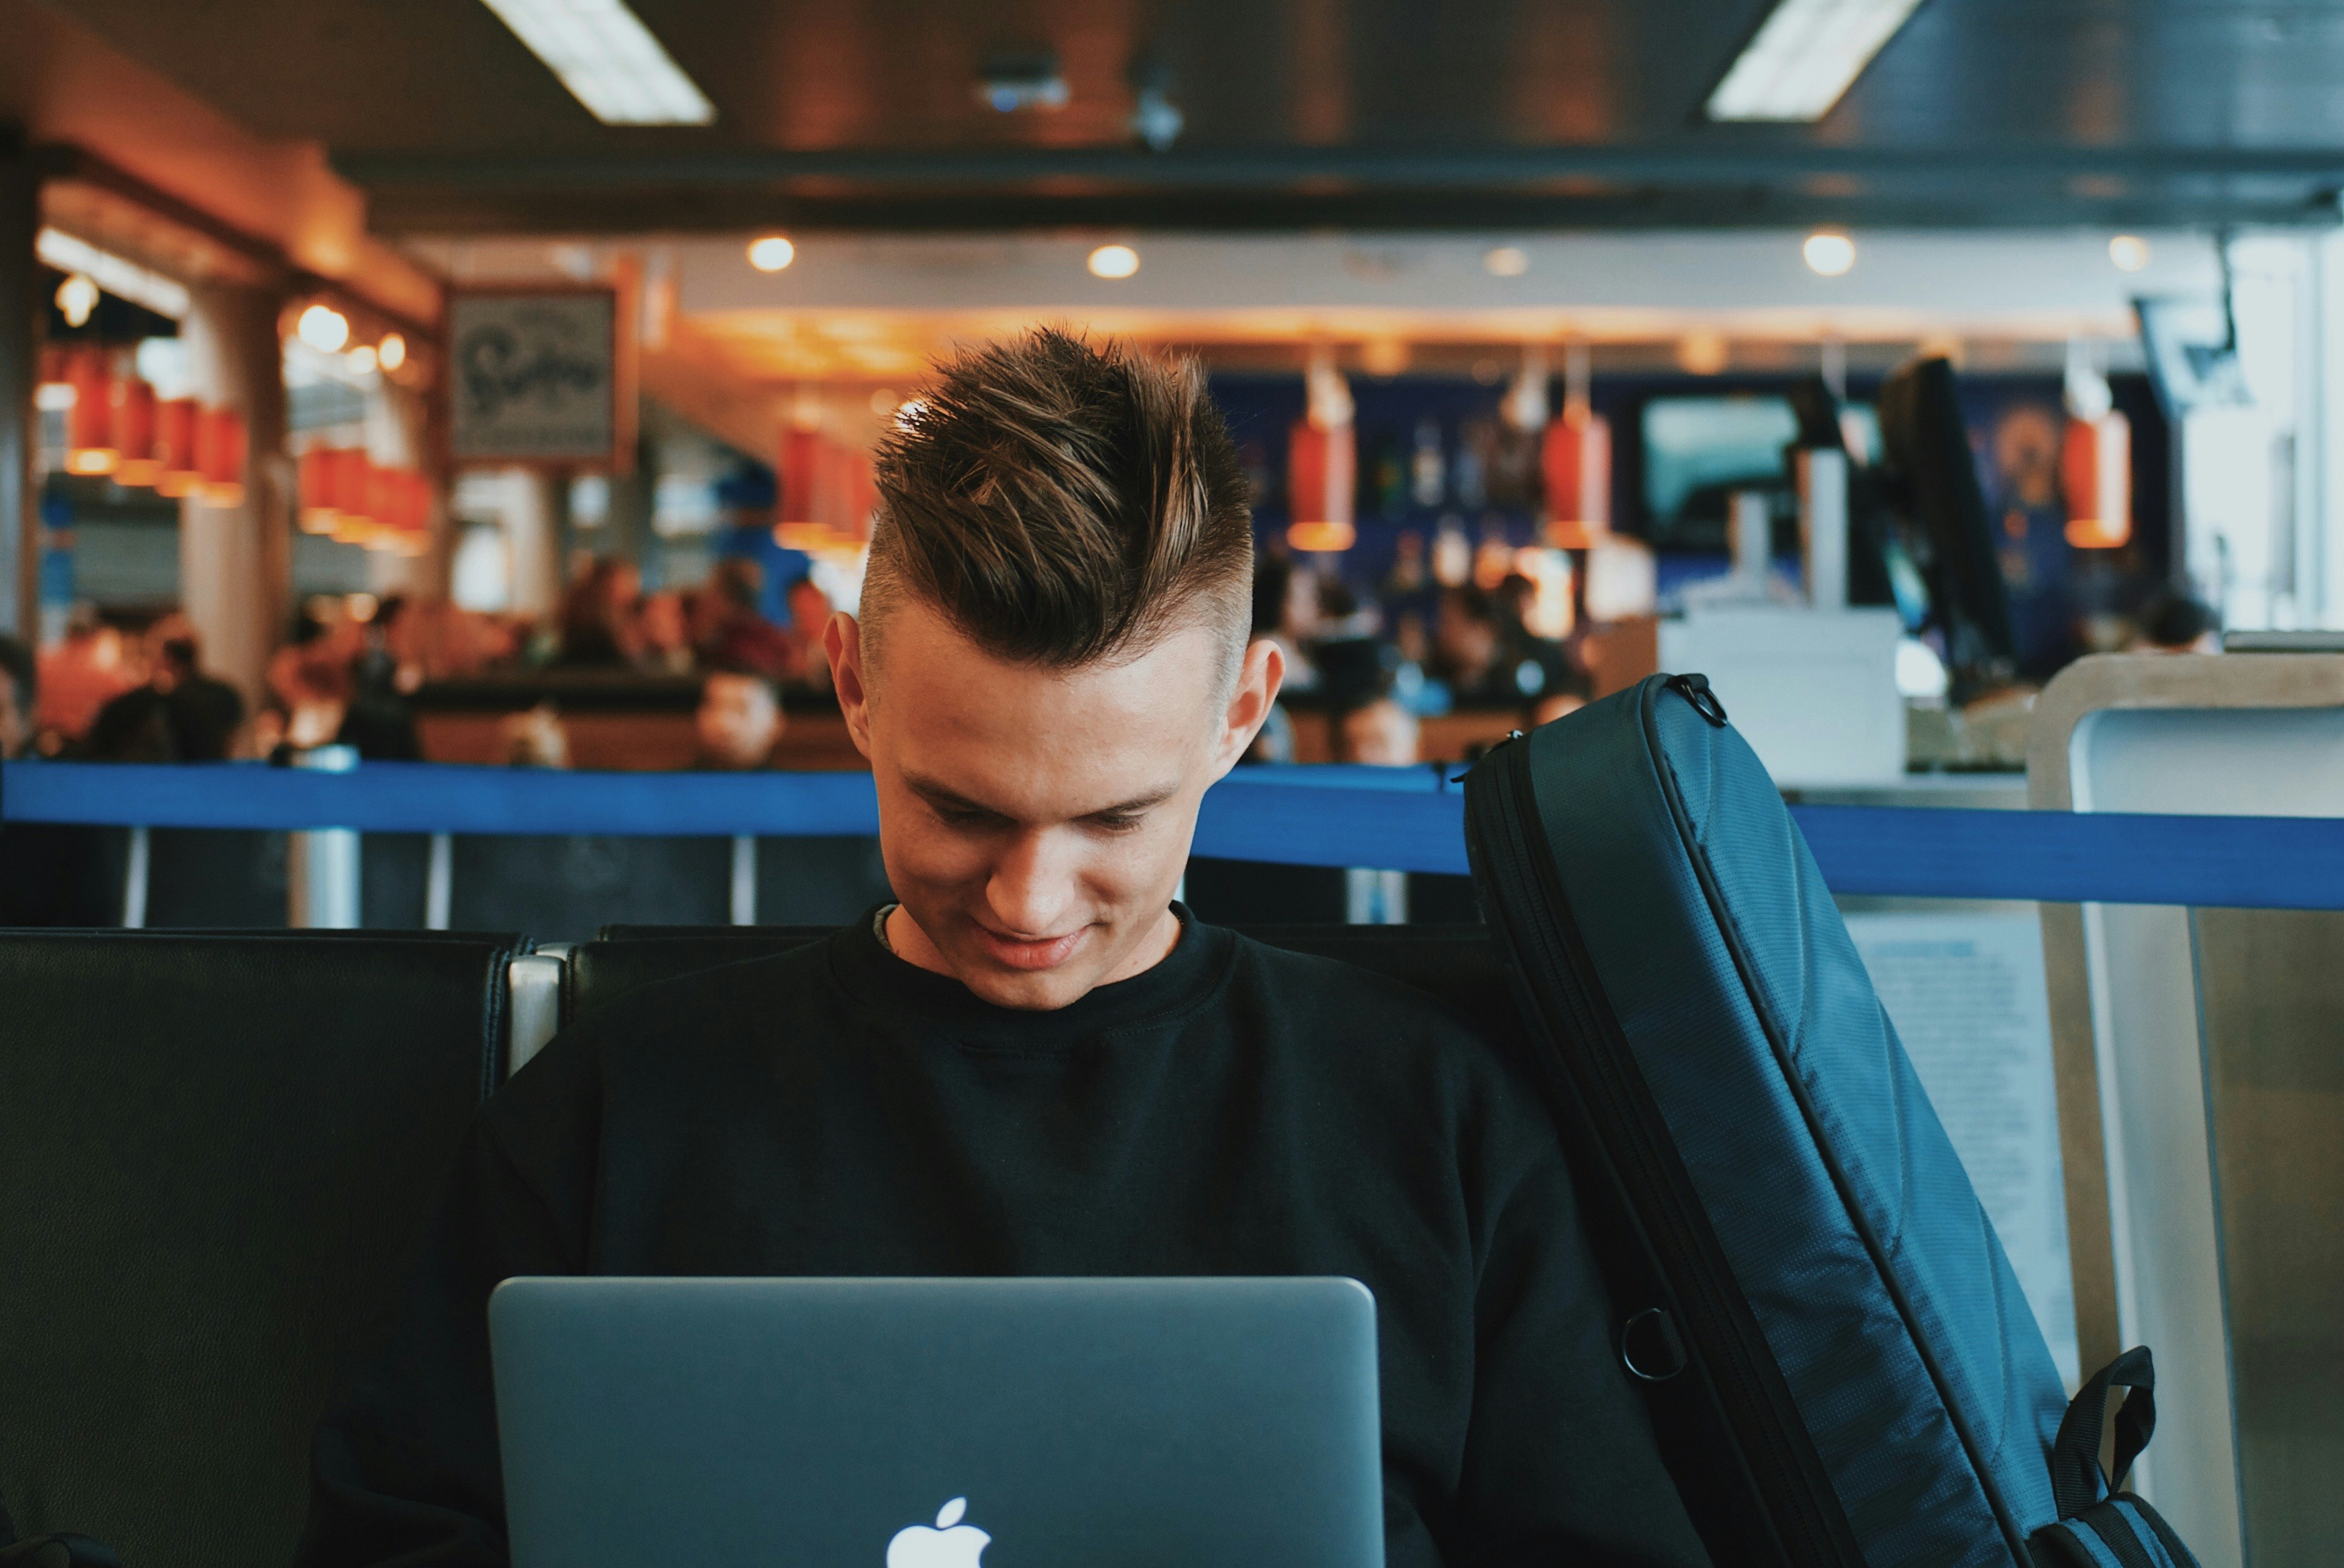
x: 404, y: 1469
x: 1561, y: 1462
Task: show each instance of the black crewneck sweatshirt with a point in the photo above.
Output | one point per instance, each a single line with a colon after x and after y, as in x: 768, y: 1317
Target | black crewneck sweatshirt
x: 1235, y: 1110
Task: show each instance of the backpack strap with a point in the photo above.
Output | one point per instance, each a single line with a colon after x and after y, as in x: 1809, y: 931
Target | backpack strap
x: 2077, y: 1481
x: 2100, y: 1524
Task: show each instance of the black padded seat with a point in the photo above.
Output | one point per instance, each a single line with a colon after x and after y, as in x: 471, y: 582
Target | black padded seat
x: 219, y: 1151
x: 1460, y: 964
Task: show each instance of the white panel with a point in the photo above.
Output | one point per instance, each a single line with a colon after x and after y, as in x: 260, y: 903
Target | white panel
x: 1814, y: 694
x: 2154, y: 1115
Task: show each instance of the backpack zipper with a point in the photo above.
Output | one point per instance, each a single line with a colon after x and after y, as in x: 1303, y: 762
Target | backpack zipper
x: 1795, y: 1491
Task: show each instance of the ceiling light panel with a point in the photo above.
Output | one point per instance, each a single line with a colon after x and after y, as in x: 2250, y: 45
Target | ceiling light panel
x: 608, y: 59
x: 125, y: 279
x: 1807, y: 54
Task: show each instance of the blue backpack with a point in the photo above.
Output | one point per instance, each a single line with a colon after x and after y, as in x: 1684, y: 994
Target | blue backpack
x: 1843, y: 1368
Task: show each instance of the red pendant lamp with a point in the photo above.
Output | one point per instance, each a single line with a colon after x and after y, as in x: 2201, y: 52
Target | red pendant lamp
x: 89, y: 423
x: 220, y: 452
x: 1575, y: 462
x: 175, y: 447
x: 351, y: 483
x: 1321, y: 468
x: 313, y: 478
x: 797, y: 524
x: 2096, y: 472
x: 1322, y: 463
x: 132, y: 409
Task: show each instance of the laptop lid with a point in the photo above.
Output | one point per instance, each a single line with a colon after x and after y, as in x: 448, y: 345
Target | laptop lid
x: 939, y: 1424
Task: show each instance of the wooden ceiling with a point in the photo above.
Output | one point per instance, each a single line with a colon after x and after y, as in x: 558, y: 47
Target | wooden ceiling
x: 1299, y: 113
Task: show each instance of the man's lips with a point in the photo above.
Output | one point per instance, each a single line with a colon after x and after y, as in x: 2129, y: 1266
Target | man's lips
x: 1020, y: 954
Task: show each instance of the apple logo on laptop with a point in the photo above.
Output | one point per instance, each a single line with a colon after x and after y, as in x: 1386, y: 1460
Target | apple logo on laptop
x: 951, y: 1544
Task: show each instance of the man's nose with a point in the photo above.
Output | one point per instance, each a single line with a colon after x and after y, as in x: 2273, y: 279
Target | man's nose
x: 1033, y: 890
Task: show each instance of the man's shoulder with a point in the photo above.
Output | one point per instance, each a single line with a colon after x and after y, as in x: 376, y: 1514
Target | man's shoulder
x: 1360, y: 999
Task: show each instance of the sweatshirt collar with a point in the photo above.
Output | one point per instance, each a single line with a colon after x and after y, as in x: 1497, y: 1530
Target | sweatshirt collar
x: 1184, y: 981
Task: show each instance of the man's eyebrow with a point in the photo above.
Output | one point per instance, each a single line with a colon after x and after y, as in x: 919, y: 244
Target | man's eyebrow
x: 943, y: 795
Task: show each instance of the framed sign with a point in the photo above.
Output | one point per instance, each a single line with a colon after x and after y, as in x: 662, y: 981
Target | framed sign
x: 533, y: 376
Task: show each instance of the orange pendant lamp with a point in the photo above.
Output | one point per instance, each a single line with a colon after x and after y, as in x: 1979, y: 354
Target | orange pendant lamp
x: 220, y: 452
x: 89, y: 423
x: 1321, y: 467
x: 313, y: 478
x: 1322, y: 463
x: 797, y: 524
x: 132, y: 411
x: 175, y: 447
x: 349, y: 481
x: 402, y: 504
x: 1575, y: 460
x: 2096, y: 472
x: 849, y: 533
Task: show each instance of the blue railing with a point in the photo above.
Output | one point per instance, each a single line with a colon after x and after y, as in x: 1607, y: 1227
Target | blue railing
x: 1408, y: 819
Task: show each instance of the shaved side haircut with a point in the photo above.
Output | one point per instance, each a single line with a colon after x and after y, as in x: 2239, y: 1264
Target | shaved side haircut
x: 1064, y: 503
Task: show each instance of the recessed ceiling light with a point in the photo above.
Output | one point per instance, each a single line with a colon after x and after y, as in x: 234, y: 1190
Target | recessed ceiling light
x: 2129, y: 252
x: 1506, y: 261
x: 391, y: 352
x: 1828, y: 252
x: 123, y: 279
x: 77, y: 297
x: 772, y: 253
x: 323, y: 328
x: 1114, y: 261
x: 1806, y: 54
x: 608, y: 59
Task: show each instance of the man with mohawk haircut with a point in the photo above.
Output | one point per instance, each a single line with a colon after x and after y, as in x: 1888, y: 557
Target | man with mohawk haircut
x: 1035, y: 1061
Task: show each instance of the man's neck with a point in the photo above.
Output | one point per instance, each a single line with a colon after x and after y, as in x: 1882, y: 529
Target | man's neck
x: 905, y: 939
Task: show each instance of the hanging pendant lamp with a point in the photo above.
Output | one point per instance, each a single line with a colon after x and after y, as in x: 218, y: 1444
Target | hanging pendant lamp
x: 175, y: 449
x: 220, y: 452
x: 1322, y: 463
x: 2096, y: 472
x: 89, y: 423
x: 1575, y: 462
x: 132, y: 422
x: 798, y: 526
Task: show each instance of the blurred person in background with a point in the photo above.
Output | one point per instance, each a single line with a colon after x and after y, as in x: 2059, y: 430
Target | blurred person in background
x: 597, y: 621
x: 733, y: 636
x: 378, y: 719
x: 2175, y: 623
x: 51, y: 873
x: 665, y: 630
x: 738, y: 722
x: 310, y: 682
x: 19, y: 694
x: 180, y: 715
x: 89, y: 668
x: 534, y: 738
x: 439, y: 640
x: 1488, y: 661
x: 1380, y: 732
x: 810, y: 612
x: 1285, y: 609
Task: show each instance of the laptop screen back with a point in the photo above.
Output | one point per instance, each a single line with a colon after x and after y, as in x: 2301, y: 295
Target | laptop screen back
x: 939, y: 1424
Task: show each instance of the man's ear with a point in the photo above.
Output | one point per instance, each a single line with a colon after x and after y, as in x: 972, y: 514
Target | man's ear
x: 1258, y: 680
x: 842, y: 641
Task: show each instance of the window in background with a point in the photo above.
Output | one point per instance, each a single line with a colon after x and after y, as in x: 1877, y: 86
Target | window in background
x: 1698, y: 451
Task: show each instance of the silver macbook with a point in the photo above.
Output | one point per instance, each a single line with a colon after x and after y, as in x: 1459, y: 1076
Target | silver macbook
x: 939, y: 1424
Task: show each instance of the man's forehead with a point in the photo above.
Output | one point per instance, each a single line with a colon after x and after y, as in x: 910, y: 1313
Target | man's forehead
x: 1040, y: 743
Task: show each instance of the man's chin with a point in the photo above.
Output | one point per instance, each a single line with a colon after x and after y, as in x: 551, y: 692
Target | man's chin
x: 1030, y: 990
